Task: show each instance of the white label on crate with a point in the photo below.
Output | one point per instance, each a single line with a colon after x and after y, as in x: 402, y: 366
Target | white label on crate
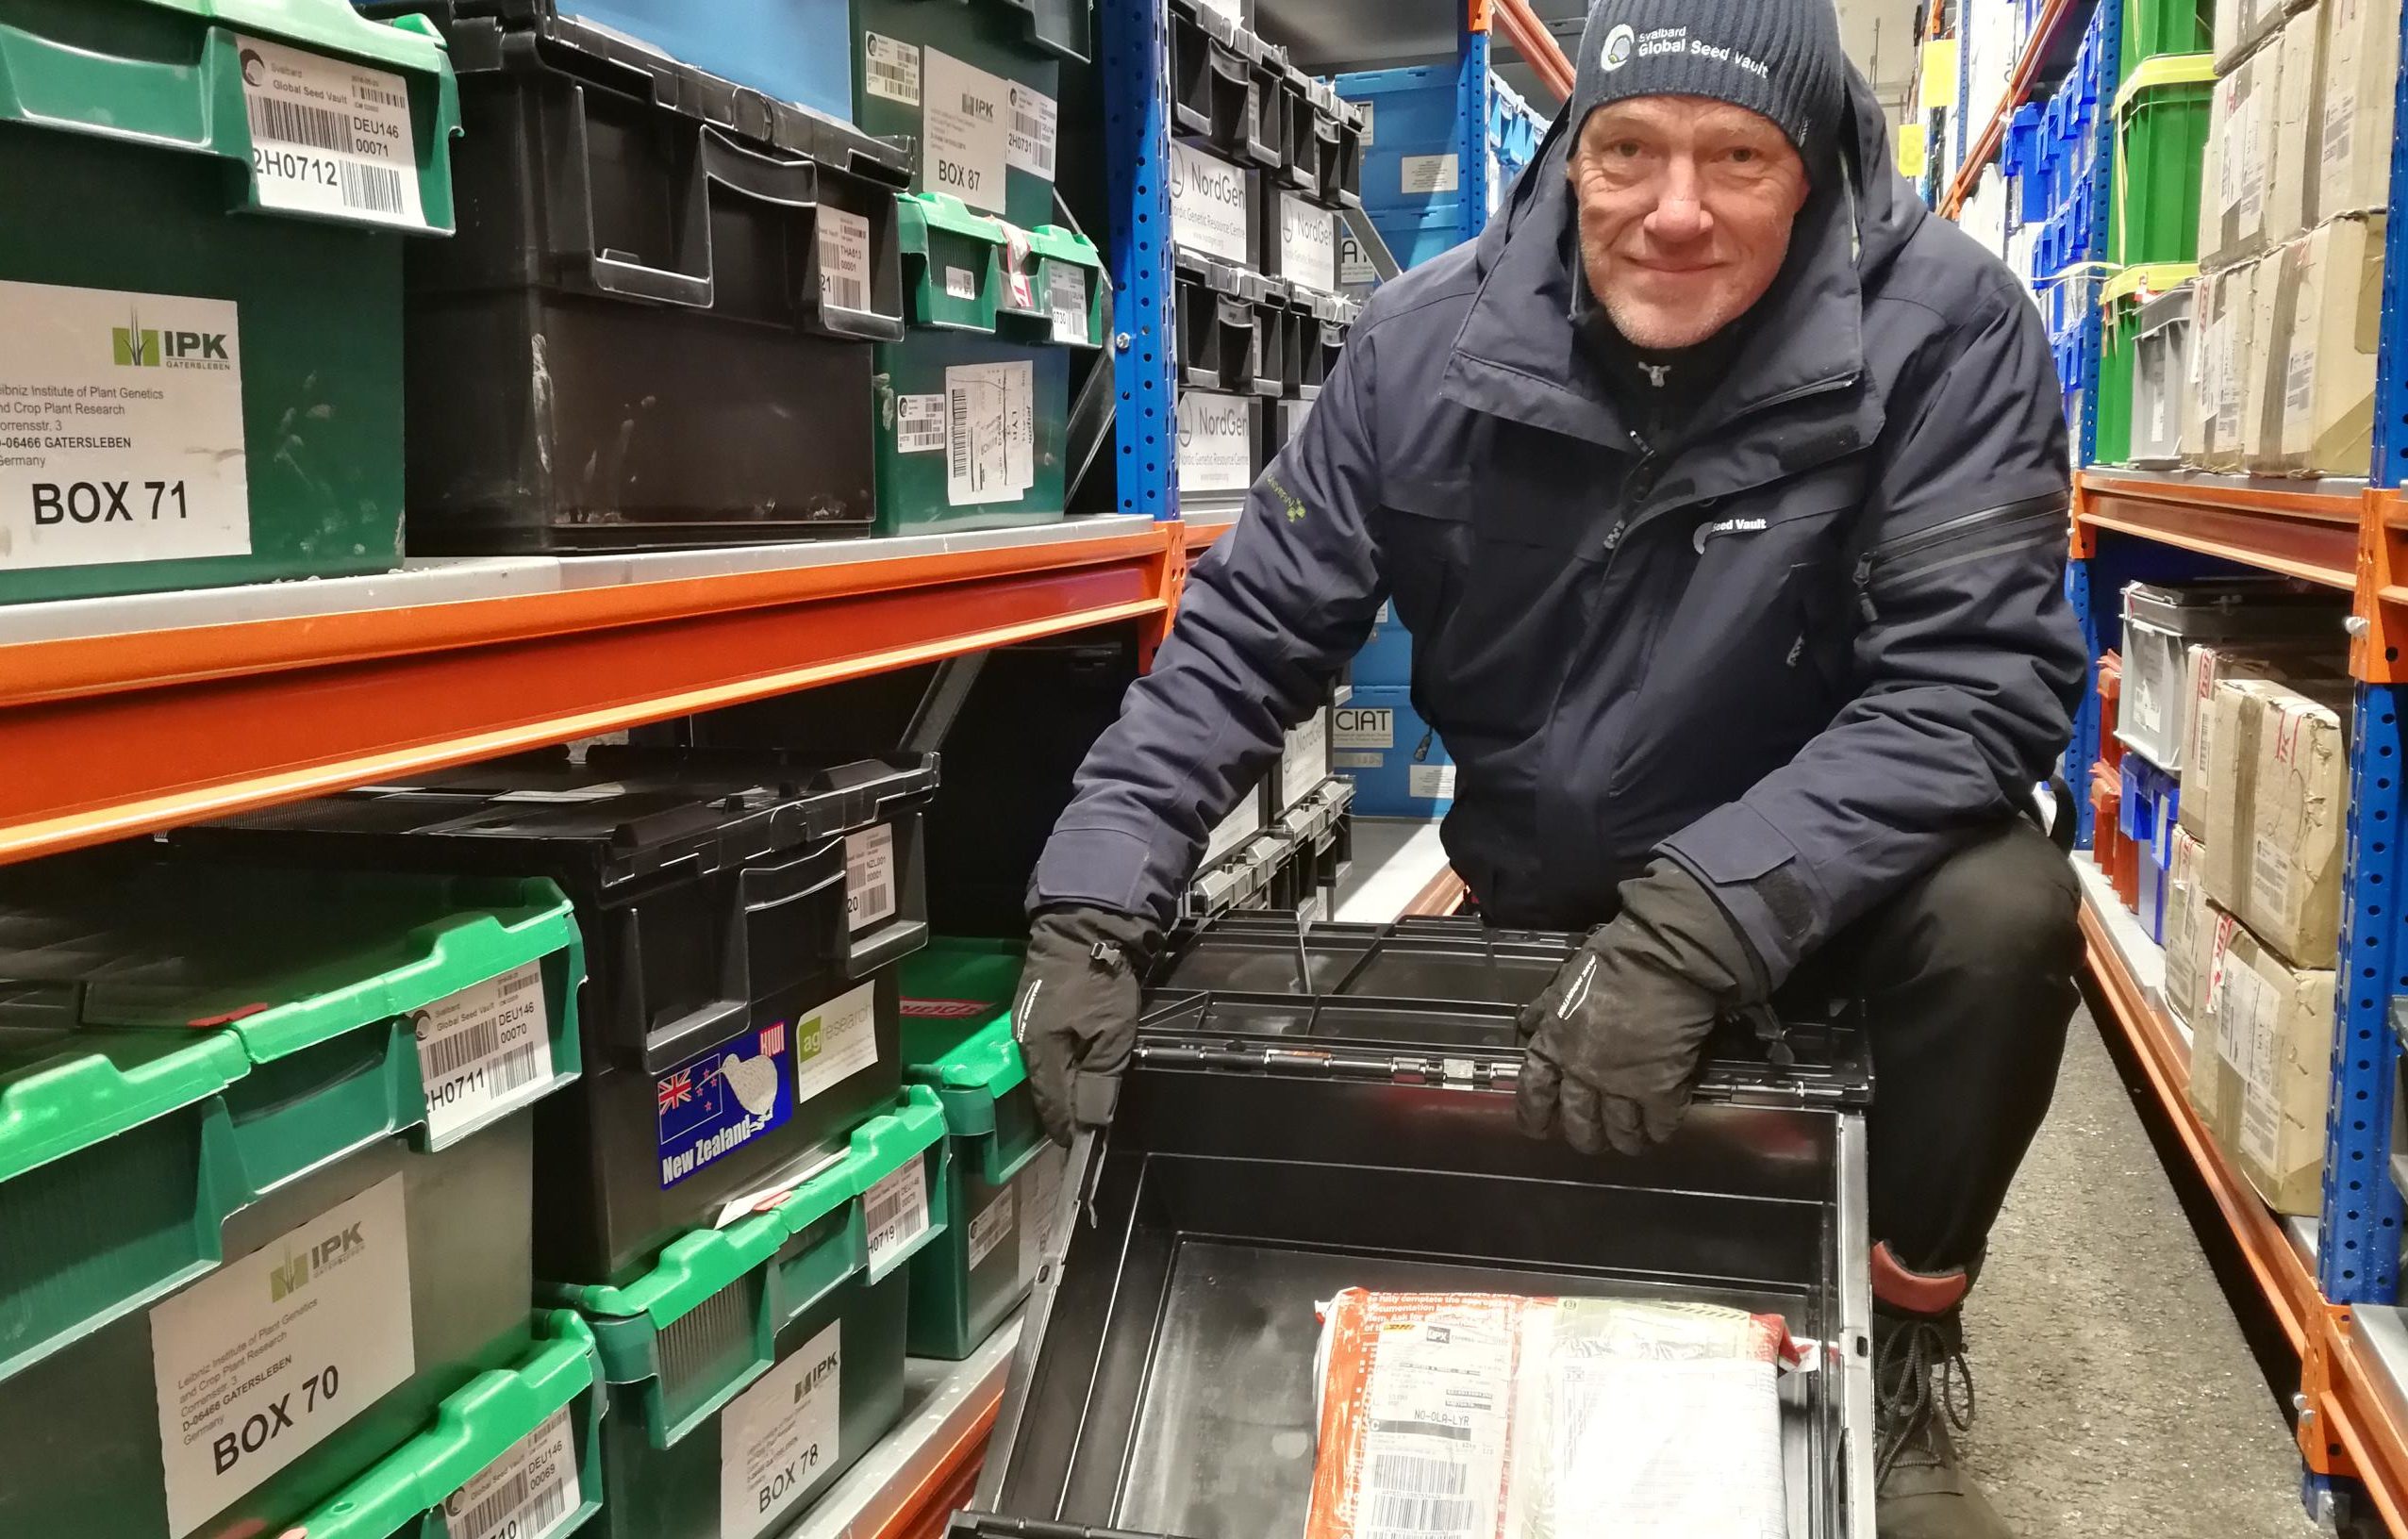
x: 1305, y: 763
x: 990, y: 432
x: 1208, y: 205
x: 121, y: 428
x: 1230, y: 8
x: 526, y: 1494
x: 328, y: 136
x: 1429, y: 174
x: 574, y: 794
x: 1039, y: 1185
x: 1357, y: 761
x: 263, y: 1359
x: 1030, y: 145
x: 1435, y: 782
x: 1367, y: 115
x: 2270, y: 874
x: 1308, y: 243
x: 777, y: 1437
x: 870, y: 876
x: 1353, y: 262
x: 844, y: 259
x: 987, y: 1229
x: 834, y: 1042
x: 2148, y: 706
x: 1066, y: 295
x: 891, y: 69
x: 920, y: 424
x: 965, y: 113
x: 1365, y: 726
x: 894, y: 1213
x: 1216, y: 443
x: 961, y: 283
x: 483, y: 1052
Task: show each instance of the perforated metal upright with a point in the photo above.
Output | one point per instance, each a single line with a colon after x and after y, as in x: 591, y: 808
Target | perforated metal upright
x: 1135, y: 54
x: 2102, y: 192
x: 1473, y: 95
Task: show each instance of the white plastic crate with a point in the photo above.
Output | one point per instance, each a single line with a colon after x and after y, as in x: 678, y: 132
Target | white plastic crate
x: 2161, y: 376
x: 2162, y: 623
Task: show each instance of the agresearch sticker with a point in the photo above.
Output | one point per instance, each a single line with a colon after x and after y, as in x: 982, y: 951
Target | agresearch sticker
x: 121, y: 428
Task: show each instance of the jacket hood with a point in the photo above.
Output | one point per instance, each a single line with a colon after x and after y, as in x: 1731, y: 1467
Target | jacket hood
x: 1517, y: 354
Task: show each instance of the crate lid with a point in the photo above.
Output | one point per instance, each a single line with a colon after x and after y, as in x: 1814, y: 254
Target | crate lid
x: 474, y: 1427
x: 954, y: 990
x: 2165, y: 69
x: 832, y: 799
x: 923, y: 212
x: 1059, y: 244
x: 330, y: 26
x: 134, y: 990
x: 699, y: 1264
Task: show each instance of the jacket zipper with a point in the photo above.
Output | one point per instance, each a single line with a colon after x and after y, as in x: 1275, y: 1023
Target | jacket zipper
x: 2014, y: 523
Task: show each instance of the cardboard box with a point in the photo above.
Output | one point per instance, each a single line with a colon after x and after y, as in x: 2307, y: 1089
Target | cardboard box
x: 2292, y: 160
x: 2277, y: 794
x: 2242, y: 134
x: 2197, y: 411
x: 2324, y: 660
x: 2323, y: 300
x: 2260, y: 1076
x: 2256, y: 357
x: 2361, y: 92
x: 2241, y: 25
x: 2190, y: 934
x: 1401, y: 767
x: 2226, y: 371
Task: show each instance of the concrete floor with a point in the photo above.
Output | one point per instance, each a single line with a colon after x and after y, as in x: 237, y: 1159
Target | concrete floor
x: 2116, y: 1396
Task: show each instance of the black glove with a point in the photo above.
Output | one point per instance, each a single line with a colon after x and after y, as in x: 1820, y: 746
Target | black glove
x: 1615, y: 1041
x: 1077, y: 1016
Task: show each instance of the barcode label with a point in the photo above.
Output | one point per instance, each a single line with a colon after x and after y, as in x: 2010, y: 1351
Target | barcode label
x: 891, y: 69
x: 870, y: 876
x: 1034, y: 120
x: 1066, y: 295
x: 990, y: 432
x: 523, y: 1495
x: 328, y: 136
x: 1414, y: 1497
x: 987, y: 1229
x: 894, y: 1213
x: 844, y: 259
x: 960, y: 283
x: 484, y: 1052
x: 958, y: 434
x: 920, y: 424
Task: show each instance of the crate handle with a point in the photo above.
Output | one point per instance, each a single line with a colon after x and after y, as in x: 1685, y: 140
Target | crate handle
x: 666, y: 1047
x: 790, y: 183
x: 619, y: 273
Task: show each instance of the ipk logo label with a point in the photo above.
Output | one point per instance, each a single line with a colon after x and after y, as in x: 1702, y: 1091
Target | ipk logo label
x: 137, y: 346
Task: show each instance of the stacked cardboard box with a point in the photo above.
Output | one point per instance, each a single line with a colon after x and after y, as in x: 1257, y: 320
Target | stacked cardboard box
x: 2291, y: 240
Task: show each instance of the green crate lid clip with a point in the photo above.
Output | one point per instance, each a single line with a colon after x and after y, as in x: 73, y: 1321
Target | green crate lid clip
x: 697, y: 1264
x: 87, y: 1099
x: 1059, y: 244
x: 923, y: 212
x: 979, y: 1071
x: 2166, y: 69
x: 472, y: 1428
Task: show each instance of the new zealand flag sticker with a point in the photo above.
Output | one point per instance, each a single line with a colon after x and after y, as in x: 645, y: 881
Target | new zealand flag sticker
x: 715, y: 1104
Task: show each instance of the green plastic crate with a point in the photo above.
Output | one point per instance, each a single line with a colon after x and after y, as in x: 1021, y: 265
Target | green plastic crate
x: 952, y: 465
x: 2161, y: 142
x: 250, y: 351
x: 952, y: 264
x: 721, y: 1352
x: 1007, y: 1174
x: 516, y: 1454
x: 2126, y: 296
x: 910, y: 55
x: 1053, y: 287
x: 2154, y: 27
x: 309, y: 991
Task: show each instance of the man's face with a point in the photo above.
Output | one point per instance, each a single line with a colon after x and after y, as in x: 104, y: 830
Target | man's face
x: 1686, y: 209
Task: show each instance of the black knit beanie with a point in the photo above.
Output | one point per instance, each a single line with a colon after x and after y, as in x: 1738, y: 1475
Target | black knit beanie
x: 1781, y: 59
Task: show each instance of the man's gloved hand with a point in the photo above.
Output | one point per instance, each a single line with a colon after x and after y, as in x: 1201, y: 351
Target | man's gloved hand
x: 1077, y: 1014
x: 1615, y: 1041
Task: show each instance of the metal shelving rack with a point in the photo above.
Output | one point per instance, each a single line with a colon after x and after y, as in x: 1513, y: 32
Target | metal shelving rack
x: 2333, y: 1287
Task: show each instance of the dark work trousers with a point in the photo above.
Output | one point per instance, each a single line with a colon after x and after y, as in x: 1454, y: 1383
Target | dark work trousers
x: 1967, y: 982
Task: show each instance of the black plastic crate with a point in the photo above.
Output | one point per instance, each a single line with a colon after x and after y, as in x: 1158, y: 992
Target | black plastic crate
x: 1311, y: 127
x: 1267, y: 132
x: 1220, y: 347
x: 658, y: 276
x: 1213, y: 99
x: 715, y: 916
x: 1319, y: 338
x: 1275, y: 352
x: 1341, y: 153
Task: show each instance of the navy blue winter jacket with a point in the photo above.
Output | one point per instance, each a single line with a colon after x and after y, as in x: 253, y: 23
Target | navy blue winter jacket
x: 1807, y: 649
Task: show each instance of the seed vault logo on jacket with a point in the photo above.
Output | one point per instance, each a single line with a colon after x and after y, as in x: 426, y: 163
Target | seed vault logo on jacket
x: 715, y: 1103
x: 1886, y: 469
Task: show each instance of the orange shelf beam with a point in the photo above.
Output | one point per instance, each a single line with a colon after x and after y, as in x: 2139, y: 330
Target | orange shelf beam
x: 109, y: 737
x: 1984, y: 148
x: 2308, y: 535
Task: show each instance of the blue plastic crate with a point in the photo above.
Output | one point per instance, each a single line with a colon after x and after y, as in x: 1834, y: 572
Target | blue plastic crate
x: 1386, y: 661
x: 2021, y: 155
x: 1413, y: 235
x: 778, y: 47
x: 1412, y: 120
x: 1398, y: 766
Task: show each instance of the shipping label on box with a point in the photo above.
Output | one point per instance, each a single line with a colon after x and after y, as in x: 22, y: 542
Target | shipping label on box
x: 2352, y: 173
x: 2190, y: 930
x: 2257, y: 361
x: 2227, y: 383
x: 2208, y: 665
x: 2261, y: 1073
x: 2299, y: 797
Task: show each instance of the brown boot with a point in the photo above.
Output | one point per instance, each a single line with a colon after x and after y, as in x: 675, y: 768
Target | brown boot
x: 1922, y: 1394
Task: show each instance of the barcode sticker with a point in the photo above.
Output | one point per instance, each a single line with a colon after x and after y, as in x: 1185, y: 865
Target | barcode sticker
x: 528, y: 1493
x: 894, y: 1213
x: 844, y: 259
x: 1439, y: 1411
x: 989, y: 432
x: 1035, y: 119
x: 987, y: 1229
x: 960, y: 283
x: 2270, y: 879
x: 1066, y: 296
x: 891, y: 69
x: 920, y: 424
x: 484, y: 1052
x: 329, y: 136
x: 965, y: 112
x: 1038, y: 1189
x: 870, y: 876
